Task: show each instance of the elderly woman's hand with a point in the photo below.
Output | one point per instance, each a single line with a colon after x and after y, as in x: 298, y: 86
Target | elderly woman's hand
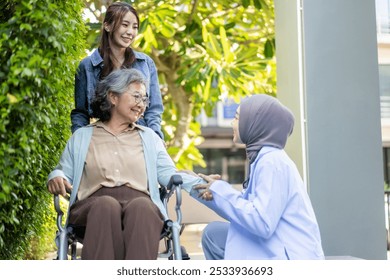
x: 210, y: 179
x: 59, y: 185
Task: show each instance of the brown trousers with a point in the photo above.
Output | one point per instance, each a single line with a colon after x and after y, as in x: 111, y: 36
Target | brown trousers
x: 121, y: 223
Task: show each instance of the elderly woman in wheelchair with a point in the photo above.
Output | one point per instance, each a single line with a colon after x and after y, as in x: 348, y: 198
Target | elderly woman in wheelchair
x: 113, y: 169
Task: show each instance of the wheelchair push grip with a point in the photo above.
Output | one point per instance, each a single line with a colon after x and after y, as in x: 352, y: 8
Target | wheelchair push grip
x: 175, y: 180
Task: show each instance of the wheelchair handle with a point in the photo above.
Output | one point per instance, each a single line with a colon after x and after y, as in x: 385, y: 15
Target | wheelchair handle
x: 59, y: 211
x: 175, y: 180
x: 174, y: 187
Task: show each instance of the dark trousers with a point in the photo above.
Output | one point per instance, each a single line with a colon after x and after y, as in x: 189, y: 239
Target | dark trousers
x: 121, y: 223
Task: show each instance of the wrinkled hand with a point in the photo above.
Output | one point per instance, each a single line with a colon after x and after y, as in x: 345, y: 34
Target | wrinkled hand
x: 59, y: 185
x: 210, y: 179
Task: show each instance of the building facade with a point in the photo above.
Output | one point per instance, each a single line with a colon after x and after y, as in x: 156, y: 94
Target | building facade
x: 383, y: 35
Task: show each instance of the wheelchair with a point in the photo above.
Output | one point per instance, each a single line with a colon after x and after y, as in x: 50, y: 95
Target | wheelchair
x: 68, y: 236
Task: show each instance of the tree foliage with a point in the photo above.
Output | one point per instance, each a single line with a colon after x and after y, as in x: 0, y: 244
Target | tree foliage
x: 205, y: 51
x: 40, y: 45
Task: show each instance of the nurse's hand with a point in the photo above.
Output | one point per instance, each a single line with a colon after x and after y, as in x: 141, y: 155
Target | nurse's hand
x: 206, y: 194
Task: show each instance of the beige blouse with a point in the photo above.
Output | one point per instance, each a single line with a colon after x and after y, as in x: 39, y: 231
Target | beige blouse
x: 113, y: 161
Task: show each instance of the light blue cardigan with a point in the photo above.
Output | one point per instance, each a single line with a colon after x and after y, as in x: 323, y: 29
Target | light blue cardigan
x: 159, y: 165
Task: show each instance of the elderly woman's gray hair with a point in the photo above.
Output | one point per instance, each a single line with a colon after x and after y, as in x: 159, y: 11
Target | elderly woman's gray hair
x: 117, y: 82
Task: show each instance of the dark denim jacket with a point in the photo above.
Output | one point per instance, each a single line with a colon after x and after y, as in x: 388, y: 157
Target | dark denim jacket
x: 86, y: 79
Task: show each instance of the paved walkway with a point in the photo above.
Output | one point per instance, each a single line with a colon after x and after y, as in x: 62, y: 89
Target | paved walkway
x: 191, y: 240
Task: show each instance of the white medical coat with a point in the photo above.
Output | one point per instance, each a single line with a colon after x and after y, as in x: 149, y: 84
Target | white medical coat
x: 273, y: 218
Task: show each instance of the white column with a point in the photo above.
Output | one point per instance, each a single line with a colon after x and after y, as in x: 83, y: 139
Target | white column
x: 328, y: 75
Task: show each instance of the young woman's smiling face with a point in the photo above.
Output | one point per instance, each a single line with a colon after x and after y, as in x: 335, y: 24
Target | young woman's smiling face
x: 124, y: 36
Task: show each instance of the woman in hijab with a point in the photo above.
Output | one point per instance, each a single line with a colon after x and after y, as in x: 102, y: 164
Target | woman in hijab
x: 272, y: 218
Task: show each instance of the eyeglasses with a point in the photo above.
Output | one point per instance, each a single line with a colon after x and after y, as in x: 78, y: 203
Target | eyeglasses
x: 138, y: 98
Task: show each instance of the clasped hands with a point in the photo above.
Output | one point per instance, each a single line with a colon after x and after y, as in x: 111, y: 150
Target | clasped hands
x: 206, y: 194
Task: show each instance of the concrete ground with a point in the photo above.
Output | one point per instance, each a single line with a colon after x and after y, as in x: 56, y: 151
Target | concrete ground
x: 191, y: 240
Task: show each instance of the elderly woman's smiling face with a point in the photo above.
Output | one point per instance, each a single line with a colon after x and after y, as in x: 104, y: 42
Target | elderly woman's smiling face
x: 129, y: 106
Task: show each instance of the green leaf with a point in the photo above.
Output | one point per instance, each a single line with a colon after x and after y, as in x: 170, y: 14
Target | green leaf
x: 246, y: 3
x: 150, y: 37
x: 168, y: 31
x: 11, y: 98
x: 257, y: 4
x: 230, y: 25
x: 229, y: 56
x: 268, y: 49
x: 27, y: 72
x: 206, y: 94
x: 205, y: 34
x: 214, y: 49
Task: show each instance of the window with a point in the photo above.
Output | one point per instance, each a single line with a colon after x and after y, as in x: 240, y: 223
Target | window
x: 384, y: 84
x: 382, y: 15
x: 386, y: 165
x: 229, y: 163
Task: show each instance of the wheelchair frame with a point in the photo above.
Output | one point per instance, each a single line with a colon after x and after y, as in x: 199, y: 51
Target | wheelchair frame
x: 66, y: 234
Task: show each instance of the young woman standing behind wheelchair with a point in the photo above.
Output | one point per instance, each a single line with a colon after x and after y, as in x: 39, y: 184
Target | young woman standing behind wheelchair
x: 120, y: 27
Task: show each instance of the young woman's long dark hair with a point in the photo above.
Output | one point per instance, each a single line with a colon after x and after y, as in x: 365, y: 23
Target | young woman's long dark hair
x: 114, y: 16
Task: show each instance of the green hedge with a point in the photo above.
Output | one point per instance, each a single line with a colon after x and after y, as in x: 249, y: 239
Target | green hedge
x: 41, y: 43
